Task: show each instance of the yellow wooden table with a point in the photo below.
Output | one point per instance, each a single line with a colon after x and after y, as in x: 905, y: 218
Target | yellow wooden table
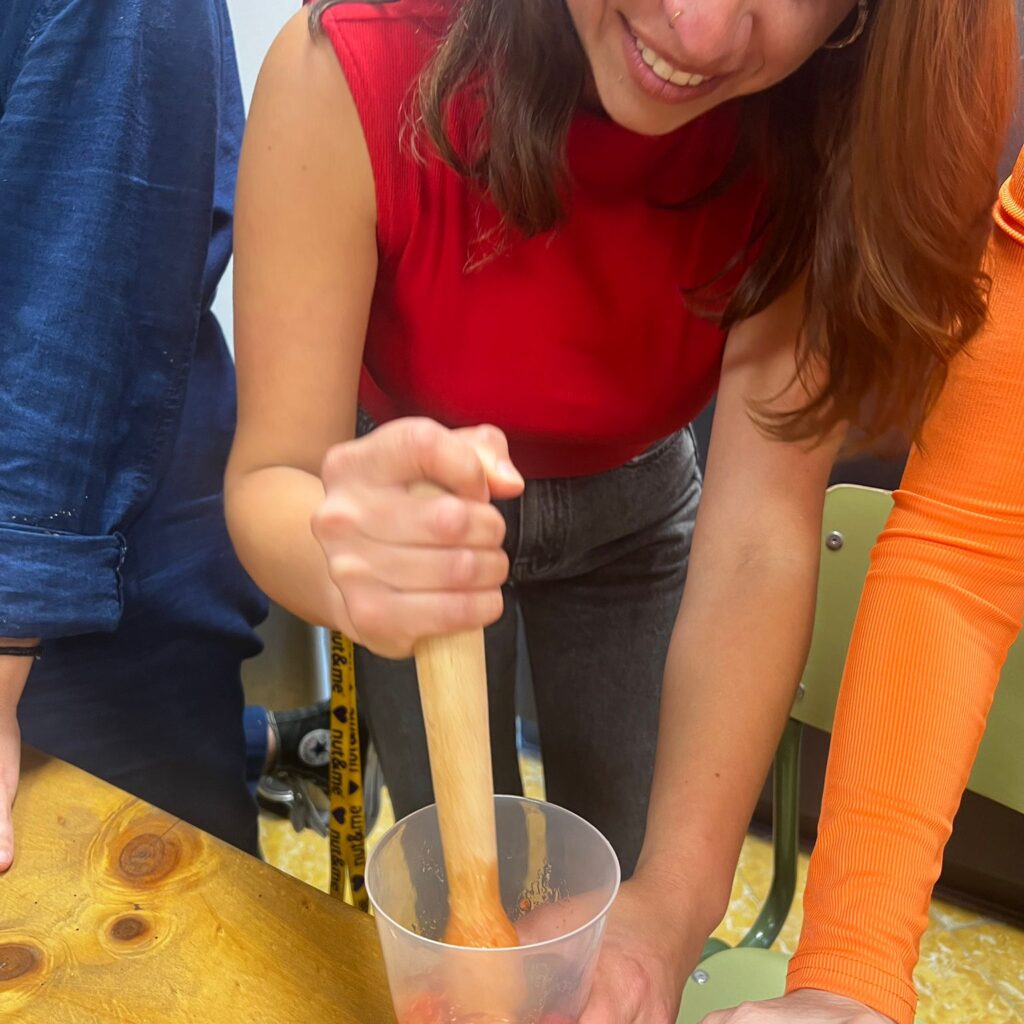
x: 115, y: 911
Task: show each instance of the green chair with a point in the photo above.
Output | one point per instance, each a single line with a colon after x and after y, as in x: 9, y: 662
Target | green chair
x: 853, y: 518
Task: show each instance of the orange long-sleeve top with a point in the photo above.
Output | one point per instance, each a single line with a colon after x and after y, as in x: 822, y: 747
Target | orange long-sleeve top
x: 942, y: 605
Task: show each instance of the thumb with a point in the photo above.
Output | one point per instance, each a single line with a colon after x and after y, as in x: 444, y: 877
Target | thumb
x: 491, y: 446
x: 603, y: 1009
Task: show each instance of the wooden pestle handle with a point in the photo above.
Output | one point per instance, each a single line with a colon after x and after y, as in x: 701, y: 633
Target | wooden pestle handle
x: 452, y: 673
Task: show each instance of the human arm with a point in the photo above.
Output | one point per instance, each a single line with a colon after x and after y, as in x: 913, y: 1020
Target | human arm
x: 97, y: 316
x: 942, y: 605
x: 323, y: 522
x: 734, y: 662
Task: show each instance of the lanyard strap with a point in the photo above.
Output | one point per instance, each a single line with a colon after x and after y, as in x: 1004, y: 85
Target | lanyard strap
x: 347, y: 818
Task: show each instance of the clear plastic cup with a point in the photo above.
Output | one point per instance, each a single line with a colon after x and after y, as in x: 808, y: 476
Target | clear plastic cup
x: 558, y: 878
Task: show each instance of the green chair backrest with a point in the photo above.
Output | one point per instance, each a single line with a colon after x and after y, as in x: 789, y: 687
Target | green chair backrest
x: 854, y: 516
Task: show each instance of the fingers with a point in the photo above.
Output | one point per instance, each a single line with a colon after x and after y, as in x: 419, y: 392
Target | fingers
x: 409, y: 568
x: 10, y: 760
x: 491, y: 446
x: 391, y: 515
x: 409, y: 564
x: 6, y: 834
x: 414, y: 449
x: 745, y: 1013
x: 553, y: 920
x: 603, y: 1009
x: 390, y: 622
x: 806, y: 1006
x: 621, y: 992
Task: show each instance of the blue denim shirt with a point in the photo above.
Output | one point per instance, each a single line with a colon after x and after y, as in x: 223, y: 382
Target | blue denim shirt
x: 120, y: 124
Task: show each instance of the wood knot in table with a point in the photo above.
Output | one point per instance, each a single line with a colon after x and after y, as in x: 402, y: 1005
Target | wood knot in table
x: 139, y: 850
x: 147, y: 858
x: 122, y: 933
x: 17, y: 959
x: 128, y: 929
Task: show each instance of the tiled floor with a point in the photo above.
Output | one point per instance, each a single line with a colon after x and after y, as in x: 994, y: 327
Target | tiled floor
x: 971, y: 971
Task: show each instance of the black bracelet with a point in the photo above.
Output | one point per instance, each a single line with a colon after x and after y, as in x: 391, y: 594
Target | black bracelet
x: 35, y: 651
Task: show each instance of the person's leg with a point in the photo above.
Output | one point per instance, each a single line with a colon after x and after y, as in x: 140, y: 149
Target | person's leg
x: 173, y: 738
x: 260, y: 747
x: 604, y: 565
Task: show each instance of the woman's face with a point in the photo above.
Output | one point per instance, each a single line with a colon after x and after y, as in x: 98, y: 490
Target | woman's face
x: 658, y: 64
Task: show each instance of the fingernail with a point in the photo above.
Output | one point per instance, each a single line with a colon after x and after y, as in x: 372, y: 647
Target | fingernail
x: 508, y: 471
x: 5, y: 859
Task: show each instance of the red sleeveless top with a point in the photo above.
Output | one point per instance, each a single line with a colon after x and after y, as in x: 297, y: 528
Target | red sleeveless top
x: 579, y: 343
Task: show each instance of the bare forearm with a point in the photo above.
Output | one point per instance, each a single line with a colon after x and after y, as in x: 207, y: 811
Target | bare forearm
x: 735, y: 660
x: 269, y: 515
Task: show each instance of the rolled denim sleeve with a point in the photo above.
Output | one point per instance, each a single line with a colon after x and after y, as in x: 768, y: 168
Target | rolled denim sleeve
x: 108, y: 146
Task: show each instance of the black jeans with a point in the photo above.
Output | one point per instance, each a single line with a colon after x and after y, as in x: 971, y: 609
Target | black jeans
x: 598, y: 565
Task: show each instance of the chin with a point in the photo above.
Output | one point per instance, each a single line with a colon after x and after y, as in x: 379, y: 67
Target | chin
x: 636, y: 113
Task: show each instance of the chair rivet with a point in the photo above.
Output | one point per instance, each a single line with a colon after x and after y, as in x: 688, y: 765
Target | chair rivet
x: 701, y: 977
x: 834, y: 541
x: 801, y: 692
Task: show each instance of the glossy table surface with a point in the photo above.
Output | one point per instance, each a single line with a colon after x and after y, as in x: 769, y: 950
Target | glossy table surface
x: 116, y: 911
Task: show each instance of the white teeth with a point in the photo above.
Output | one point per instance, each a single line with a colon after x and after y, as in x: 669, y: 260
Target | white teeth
x: 664, y: 70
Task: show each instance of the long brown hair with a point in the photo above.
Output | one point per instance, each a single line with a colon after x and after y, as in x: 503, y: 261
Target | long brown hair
x: 883, y: 200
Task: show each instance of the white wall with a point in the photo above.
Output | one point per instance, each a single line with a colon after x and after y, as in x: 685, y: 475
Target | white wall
x: 256, y: 23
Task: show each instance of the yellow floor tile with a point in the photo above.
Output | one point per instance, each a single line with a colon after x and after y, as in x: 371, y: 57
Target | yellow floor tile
x: 755, y: 868
x: 303, y: 855
x: 951, y: 990
x: 949, y: 915
x: 997, y: 953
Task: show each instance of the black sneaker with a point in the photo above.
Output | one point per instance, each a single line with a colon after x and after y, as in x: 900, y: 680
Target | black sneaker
x: 303, y: 738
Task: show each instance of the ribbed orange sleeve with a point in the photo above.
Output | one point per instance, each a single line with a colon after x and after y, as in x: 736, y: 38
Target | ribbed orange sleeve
x: 942, y: 604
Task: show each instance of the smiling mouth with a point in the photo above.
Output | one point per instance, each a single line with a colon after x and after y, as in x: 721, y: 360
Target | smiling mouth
x: 664, y: 68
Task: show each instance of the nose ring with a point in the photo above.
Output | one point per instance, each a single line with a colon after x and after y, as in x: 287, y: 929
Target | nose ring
x: 674, y: 17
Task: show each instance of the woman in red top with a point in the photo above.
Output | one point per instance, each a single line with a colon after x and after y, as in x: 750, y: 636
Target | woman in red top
x: 576, y: 221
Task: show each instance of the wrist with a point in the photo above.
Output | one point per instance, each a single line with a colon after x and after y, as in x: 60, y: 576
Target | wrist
x: 14, y: 673
x: 20, y: 647
x: 696, y: 896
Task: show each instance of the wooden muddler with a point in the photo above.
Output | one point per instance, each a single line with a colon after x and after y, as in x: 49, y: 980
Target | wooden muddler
x: 453, y: 690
